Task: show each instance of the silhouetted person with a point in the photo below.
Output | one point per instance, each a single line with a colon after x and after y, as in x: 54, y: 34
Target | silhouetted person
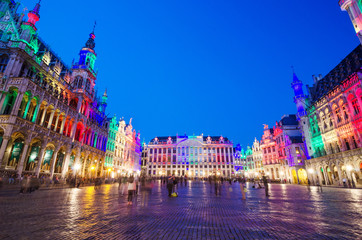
x: 266, y: 186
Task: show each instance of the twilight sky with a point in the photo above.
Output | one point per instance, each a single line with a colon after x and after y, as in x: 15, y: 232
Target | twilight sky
x: 200, y: 66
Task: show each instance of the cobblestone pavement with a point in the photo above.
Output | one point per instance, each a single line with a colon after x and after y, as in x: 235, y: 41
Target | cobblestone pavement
x: 291, y: 212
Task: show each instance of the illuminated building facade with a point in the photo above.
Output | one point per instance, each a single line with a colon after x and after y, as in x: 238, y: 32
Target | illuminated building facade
x: 194, y: 156
x: 51, y: 120
x: 283, y: 151
x: 144, y: 157
x: 257, y: 158
x: 239, y: 160
x: 127, y: 155
x: 331, y: 116
x: 333, y: 121
x: 109, y: 161
x: 270, y: 158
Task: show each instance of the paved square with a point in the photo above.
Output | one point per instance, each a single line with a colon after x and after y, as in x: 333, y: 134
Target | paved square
x: 292, y: 212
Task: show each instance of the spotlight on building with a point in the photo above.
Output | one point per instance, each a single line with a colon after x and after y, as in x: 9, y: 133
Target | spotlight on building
x: 349, y: 168
x: 310, y: 170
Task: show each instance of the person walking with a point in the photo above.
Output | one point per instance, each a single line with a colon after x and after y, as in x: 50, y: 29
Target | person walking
x: 170, y: 185
x: 319, y: 186
x: 243, y: 190
x: 266, y: 186
x: 131, y: 189
x: 308, y: 185
x: 217, y: 185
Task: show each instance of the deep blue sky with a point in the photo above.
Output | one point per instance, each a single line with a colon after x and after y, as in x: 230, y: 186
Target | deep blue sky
x: 205, y: 66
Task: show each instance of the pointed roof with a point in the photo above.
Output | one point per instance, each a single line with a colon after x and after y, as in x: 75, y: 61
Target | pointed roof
x: 33, y: 15
x: 91, y: 43
x: 105, y: 93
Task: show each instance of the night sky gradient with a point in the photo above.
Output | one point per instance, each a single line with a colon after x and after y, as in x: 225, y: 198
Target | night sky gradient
x: 200, y: 66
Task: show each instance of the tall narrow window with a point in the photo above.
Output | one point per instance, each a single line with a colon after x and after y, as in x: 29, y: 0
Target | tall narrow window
x: 4, y: 59
x: 356, y: 107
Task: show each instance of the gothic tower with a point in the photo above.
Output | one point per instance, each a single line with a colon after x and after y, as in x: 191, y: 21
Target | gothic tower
x: 354, y: 9
x: 84, y: 75
x: 301, y: 101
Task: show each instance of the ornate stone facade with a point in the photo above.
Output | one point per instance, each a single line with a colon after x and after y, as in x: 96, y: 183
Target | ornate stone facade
x: 194, y: 156
x: 127, y: 149
x: 51, y: 120
x: 331, y: 116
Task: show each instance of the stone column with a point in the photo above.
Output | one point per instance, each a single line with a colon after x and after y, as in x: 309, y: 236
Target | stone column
x: 40, y: 161
x: 84, y: 164
x: 43, y: 115
x: 62, y: 126
x: 51, y: 119
x: 3, y: 97
x: 56, y: 123
x: 340, y: 179
x: 66, y: 163
x: 36, y: 112
x: 76, y: 161
x: 54, y: 159
x: 72, y: 133
x: 4, y: 145
x: 27, y: 108
x: 23, y: 156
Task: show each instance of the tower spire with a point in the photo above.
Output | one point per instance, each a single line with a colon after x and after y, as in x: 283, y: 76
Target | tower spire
x: 91, y: 43
x: 94, y: 27
x: 33, y: 15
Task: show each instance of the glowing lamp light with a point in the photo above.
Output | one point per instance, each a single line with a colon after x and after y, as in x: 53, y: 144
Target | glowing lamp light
x: 92, y: 168
x: 349, y: 168
x: 76, y: 166
x: 109, y: 169
x: 310, y: 170
x: 119, y: 171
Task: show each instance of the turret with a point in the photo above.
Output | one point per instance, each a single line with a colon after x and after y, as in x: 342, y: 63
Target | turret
x: 299, y: 97
x: 87, y: 55
x: 104, y: 101
x: 354, y: 9
x: 28, y: 28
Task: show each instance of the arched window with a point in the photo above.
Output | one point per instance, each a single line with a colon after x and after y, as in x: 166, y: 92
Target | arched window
x: 4, y: 59
x: 87, y: 85
x: 9, y: 101
x: 78, y: 82
x: 31, y: 110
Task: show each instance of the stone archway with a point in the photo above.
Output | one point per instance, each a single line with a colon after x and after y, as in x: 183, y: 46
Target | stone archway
x: 303, y: 177
x: 60, y: 158
x: 49, y: 151
x: 32, y: 158
x: 335, y: 174
x: 329, y: 174
x: 15, y: 150
x: 323, y: 180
